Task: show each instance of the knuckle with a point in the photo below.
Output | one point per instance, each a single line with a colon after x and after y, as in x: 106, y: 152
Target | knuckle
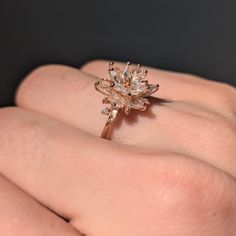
x: 199, y: 193
x: 216, y: 136
x: 178, y: 186
x: 225, y: 94
x: 221, y: 129
x: 216, y: 125
x: 33, y: 80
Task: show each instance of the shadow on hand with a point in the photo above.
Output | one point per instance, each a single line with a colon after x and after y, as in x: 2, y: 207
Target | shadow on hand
x: 134, y: 115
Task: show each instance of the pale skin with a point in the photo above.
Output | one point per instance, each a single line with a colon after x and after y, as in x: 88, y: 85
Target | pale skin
x: 170, y: 170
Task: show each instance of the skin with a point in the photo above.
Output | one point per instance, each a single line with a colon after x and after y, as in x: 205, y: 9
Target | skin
x: 170, y: 170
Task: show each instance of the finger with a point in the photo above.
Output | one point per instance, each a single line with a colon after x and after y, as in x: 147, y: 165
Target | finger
x: 177, y: 86
x: 22, y: 215
x: 98, y: 184
x: 58, y: 165
x: 68, y: 94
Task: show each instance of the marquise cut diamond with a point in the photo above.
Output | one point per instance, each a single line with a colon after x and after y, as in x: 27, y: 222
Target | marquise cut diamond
x: 125, y: 89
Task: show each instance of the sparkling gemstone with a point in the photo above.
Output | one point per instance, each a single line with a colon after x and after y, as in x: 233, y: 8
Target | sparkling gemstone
x: 125, y: 89
x: 139, y: 88
x: 152, y: 88
x: 105, y: 111
x: 104, y: 86
x: 138, y: 103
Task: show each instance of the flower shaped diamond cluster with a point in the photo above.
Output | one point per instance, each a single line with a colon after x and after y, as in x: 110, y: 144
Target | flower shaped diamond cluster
x: 125, y: 89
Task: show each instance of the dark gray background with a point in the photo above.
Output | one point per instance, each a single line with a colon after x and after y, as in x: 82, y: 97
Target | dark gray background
x: 192, y: 36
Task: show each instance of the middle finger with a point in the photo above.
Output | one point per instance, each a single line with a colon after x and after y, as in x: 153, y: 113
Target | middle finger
x: 68, y: 94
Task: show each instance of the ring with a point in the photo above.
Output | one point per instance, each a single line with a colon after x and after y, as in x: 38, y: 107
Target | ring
x: 124, y: 90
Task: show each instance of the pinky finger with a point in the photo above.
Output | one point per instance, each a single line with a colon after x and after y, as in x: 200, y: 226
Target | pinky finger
x: 22, y: 215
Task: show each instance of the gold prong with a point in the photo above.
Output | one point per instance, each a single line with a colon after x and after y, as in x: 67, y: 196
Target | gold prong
x: 111, y: 66
x: 126, y: 109
x: 96, y: 85
x: 129, y: 93
x: 105, y: 100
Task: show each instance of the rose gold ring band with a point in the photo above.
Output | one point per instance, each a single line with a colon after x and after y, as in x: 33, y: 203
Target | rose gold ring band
x: 124, y: 90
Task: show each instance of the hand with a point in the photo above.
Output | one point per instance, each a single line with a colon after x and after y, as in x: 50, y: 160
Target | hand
x: 168, y: 171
